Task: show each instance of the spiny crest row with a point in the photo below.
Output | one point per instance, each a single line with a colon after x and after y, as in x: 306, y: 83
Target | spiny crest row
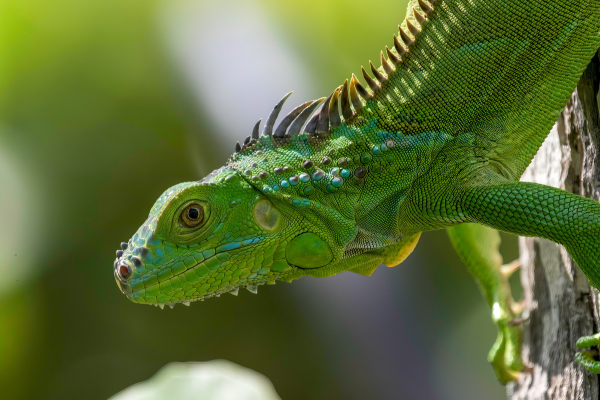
x: 328, y: 117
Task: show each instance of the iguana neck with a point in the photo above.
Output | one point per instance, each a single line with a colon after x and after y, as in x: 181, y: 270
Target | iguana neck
x: 359, y: 172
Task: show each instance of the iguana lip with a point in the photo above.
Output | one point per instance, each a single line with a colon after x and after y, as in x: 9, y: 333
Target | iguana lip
x: 129, y: 261
x: 251, y: 287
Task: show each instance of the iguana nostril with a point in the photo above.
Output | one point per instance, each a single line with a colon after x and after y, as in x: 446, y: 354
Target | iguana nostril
x: 123, y: 246
x: 137, y: 262
x: 119, y: 253
x: 125, y: 271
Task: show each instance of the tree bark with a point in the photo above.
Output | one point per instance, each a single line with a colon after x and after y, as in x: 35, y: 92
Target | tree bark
x: 559, y: 302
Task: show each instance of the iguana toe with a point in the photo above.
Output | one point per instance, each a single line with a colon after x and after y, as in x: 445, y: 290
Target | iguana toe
x: 589, y: 359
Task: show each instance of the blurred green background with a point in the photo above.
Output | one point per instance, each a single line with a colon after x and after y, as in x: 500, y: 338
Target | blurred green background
x: 106, y: 103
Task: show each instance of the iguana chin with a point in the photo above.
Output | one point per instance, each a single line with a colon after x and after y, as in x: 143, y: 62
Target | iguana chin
x: 439, y: 139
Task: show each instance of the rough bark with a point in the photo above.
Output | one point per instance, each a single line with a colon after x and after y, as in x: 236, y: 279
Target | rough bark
x: 560, y: 304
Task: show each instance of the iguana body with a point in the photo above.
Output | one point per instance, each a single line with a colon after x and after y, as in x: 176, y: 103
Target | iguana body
x: 454, y: 116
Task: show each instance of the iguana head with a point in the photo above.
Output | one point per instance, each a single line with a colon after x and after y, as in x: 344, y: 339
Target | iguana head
x: 202, y: 239
x: 238, y: 227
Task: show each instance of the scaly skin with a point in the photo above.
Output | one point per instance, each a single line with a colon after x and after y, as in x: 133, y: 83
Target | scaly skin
x: 453, y: 118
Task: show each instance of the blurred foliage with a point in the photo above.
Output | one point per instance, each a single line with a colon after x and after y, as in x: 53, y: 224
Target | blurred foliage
x: 100, y: 120
x: 214, y: 380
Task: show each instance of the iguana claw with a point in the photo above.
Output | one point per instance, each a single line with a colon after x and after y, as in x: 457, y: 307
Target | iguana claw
x: 508, y: 269
x: 589, y: 359
x: 518, y: 307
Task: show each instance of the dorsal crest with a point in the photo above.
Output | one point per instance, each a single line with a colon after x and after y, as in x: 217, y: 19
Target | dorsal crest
x: 345, y: 102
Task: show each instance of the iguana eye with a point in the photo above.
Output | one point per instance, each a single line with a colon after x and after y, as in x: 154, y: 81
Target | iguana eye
x: 192, y: 216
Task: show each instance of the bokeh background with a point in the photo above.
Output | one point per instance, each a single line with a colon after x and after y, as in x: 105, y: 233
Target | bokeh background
x: 106, y: 103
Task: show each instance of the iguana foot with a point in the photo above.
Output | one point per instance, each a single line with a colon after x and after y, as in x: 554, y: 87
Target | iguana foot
x: 505, y: 355
x: 589, y: 359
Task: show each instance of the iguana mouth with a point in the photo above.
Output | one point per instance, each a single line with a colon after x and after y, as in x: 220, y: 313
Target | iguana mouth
x: 125, y: 265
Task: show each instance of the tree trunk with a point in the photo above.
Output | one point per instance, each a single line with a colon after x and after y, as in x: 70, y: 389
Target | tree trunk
x: 560, y: 305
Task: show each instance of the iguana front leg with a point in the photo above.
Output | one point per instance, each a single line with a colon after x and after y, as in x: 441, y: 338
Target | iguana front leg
x: 530, y: 209
x: 477, y: 246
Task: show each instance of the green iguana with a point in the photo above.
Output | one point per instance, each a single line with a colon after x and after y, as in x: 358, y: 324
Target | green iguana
x: 452, y: 117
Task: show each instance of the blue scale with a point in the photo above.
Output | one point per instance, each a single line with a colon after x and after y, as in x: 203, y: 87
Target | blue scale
x: 304, y: 177
x: 337, y: 182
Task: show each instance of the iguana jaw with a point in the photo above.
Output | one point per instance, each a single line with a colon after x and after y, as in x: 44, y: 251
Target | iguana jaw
x: 250, y: 282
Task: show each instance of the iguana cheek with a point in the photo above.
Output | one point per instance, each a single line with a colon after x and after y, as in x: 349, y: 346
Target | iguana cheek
x: 308, y: 251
